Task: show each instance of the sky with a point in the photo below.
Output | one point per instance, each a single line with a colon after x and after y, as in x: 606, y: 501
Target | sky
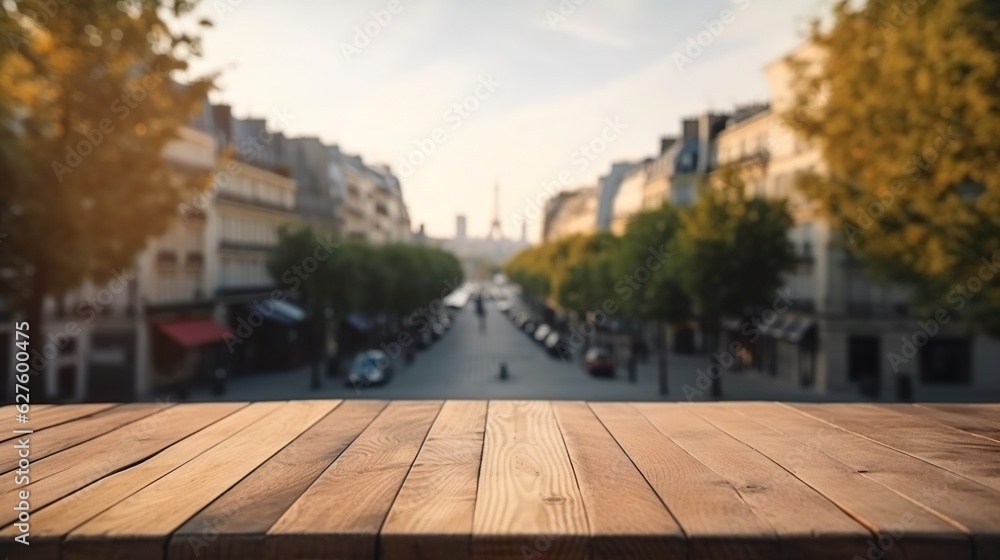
x: 459, y: 95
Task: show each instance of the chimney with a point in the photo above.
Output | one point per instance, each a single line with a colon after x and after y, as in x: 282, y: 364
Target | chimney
x: 666, y: 142
x: 690, y: 129
x: 709, y: 126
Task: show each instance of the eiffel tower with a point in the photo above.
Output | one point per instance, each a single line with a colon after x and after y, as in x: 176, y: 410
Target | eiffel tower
x: 496, y: 233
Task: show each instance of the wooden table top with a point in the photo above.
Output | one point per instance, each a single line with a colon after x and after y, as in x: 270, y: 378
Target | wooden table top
x: 506, y: 479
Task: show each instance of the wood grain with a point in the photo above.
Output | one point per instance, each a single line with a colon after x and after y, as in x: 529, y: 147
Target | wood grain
x: 975, y: 419
x: 133, y: 457
x: 528, y: 501
x: 234, y: 525
x: 44, y: 416
x: 717, y: 521
x: 967, y: 503
x: 340, y: 515
x: 510, y: 479
x: 625, y: 516
x: 906, y: 529
x: 806, y: 523
x: 52, y: 440
x: 432, y: 515
x: 140, y: 525
x: 957, y: 451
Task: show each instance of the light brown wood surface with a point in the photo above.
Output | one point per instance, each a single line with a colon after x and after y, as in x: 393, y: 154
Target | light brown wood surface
x: 508, y: 479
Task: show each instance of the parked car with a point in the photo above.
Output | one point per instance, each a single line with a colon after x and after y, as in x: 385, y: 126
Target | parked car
x: 423, y: 337
x: 503, y: 306
x: 444, y: 321
x: 600, y: 361
x: 437, y: 330
x: 371, y: 367
x: 519, y: 318
x: 556, y: 346
x: 529, y: 328
x: 542, y: 332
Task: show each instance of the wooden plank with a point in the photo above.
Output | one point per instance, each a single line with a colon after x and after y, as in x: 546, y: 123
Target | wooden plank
x: 528, y: 501
x: 717, y: 521
x: 195, y: 428
x: 432, y: 515
x: 904, y: 528
x: 139, y: 526
x: 58, y: 475
x: 625, y: 516
x: 968, y: 503
x: 55, y: 439
x: 340, y: 515
x: 975, y: 419
x: 234, y: 525
x: 957, y: 451
x: 42, y: 417
x: 807, y: 524
x: 8, y: 413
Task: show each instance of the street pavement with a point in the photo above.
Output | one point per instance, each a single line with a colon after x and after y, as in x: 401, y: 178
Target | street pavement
x: 465, y: 364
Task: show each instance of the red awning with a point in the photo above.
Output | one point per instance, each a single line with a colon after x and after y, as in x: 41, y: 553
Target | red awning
x: 194, y: 332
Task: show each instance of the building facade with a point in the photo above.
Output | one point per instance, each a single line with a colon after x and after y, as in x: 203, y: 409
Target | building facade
x: 571, y: 213
x: 844, y: 329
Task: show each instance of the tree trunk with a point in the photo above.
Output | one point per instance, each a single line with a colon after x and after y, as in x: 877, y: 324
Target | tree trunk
x: 34, y: 316
x: 717, y: 381
x: 661, y: 359
x: 317, y: 352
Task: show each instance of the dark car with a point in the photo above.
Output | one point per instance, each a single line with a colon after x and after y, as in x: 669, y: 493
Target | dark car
x: 372, y: 367
x: 599, y: 361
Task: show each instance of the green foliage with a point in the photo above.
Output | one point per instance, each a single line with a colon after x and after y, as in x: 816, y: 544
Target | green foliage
x: 86, y: 108
x: 545, y: 271
x: 724, y: 257
x: 910, y: 110
x: 732, y: 250
x: 649, y: 237
x: 394, y: 279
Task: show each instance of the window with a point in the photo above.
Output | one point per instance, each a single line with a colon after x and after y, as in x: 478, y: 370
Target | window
x: 864, y: 358
x: 166, y: 261
x: 946, y: 361
x: 194, y: 263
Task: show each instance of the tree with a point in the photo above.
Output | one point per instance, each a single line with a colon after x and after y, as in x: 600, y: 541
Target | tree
x: 646, y: 247
x: 732, y: 251
x: 907, y: 125
x: 308, y: 256
x: 87, y: 109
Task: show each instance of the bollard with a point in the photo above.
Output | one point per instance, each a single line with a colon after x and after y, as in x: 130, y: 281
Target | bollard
x: 503, y: 372
x: 219, y: 382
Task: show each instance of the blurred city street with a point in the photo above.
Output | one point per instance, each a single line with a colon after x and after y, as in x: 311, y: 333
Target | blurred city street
x: 465, y: 364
